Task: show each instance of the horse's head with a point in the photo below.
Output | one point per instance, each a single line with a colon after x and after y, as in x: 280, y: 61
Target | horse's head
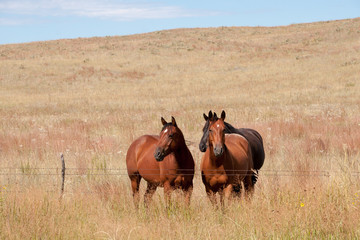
x: 170, y: 138
x: 217, y: 134
x: 204, y: 139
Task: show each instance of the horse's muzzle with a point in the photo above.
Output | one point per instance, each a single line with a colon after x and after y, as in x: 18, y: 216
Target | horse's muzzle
x: 159, y: 154
x: 218, y: 151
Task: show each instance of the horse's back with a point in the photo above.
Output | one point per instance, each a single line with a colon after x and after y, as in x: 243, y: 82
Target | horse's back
x: 236, y: 141
x: 257, y: 146
x: 240, y: 150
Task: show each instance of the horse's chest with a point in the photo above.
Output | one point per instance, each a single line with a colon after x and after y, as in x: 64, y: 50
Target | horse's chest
x: 174, y: 178
x: 218, y: 180
x: 176, y: 182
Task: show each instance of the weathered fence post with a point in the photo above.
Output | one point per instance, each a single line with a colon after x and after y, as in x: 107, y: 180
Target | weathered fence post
x: 62, y: 173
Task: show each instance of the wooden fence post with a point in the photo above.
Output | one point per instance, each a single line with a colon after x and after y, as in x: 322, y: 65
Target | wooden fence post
x: 62, y: 173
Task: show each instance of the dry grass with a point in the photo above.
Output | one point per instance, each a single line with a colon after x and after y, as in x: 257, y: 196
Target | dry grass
x: 90, y: 98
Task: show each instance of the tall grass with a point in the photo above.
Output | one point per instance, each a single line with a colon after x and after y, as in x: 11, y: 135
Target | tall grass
x: 90, y: 98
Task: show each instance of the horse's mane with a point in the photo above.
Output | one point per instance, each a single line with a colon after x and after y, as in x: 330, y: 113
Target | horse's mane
x: 230, y: 128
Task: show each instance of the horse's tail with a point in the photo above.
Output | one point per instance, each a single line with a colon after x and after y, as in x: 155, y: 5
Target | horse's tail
x: 254, y: 176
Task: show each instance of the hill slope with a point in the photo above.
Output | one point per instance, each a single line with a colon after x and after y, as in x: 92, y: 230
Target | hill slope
x: 298, y: 85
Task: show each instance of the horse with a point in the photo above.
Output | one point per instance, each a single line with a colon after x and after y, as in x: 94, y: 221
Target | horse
x: 163, y: 161
x: 252, y: 136
x: 227, y: 162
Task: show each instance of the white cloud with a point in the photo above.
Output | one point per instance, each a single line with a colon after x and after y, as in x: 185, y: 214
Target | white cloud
x: 11, y: 22
x: 110, y: 9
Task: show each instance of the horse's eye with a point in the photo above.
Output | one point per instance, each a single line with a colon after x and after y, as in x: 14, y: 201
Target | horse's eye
x: 171, y: 135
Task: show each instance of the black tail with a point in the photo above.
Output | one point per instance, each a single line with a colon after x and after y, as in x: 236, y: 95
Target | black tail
x: 254, y: 177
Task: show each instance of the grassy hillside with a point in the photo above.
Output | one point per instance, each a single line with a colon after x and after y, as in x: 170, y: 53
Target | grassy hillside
x: 298, y: 85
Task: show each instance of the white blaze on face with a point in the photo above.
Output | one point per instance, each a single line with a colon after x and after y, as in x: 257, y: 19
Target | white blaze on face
x: 165, y: 131
x: 217, y: 125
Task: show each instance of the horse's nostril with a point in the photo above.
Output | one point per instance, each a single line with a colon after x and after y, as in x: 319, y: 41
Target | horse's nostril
x: 158, y: 154
x: 218, y: 151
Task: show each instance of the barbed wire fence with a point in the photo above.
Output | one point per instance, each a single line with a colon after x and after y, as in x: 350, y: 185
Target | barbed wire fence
x: 62, y: 172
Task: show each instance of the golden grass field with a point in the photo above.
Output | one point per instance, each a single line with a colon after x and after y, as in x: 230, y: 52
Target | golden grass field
x: 298, y: 85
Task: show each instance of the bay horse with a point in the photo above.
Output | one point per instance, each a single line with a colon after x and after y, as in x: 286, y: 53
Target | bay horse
x: 163, y: 161
x: 252, y: 136
x: 227, y: 162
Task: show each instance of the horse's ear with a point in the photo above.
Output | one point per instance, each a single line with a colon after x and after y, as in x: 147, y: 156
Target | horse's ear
x: 163, y: 121
x: 215, y: 117
x: 173, y: 121
x: 223, y: 115
x: 205, y: 117
x: 210, y: 115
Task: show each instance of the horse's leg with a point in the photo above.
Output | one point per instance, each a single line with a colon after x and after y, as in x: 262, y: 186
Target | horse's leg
x: 150, y: 190
x: 249, y: 186
x: 188, y: 191
x: 135, y: 184
x: 237, y: 190
x: 221, y: 193
x: 227, y: 193
x: 167, y: 193
x: 211, y: 195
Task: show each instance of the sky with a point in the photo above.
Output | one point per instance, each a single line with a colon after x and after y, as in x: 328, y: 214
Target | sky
x: 40, y: 20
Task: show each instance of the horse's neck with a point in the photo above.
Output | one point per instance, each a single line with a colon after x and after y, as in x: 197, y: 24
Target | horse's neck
x: 182, y: 155
x: 217, y: 161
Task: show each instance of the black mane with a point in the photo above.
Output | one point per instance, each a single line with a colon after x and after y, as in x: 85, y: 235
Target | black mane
x: 230, y: 128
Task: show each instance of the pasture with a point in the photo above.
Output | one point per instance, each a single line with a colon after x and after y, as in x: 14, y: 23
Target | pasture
x: 297, y: 85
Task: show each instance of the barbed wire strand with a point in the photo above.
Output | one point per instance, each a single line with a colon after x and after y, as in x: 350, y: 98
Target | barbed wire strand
x: 94, y: 171
x: 167, y: 169
x: 275, y: 174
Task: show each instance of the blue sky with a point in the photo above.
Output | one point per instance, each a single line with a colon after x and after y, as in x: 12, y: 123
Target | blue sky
x: 39, y: 20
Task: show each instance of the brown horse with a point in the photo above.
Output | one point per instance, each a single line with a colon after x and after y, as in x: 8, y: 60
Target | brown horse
x: 226, y: 163
x: 163, y: 161
x: 252, y: 136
